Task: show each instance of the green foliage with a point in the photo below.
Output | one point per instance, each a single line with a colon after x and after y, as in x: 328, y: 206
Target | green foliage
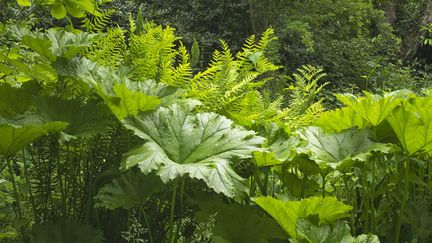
x: 207, y: 22
x: 195, y: 54
x: 289, y: 214
x: 15, y: 100
x: 279, y: 147
x: 129, y: 190
x: 428, y: 29
x: 199, y: 146
x: 339, y: 150
x: 77, y: 106
x: 303, y: 105
x: 98, y: 23
x: 374, y: 108
x: 236, y: 223
x: 340, y: 119
x: 60, y: 8
x: 82, y: 119
x: 18, y: 134
x: 108, y: 50
x: 349, y: 39
x: 123, y: 96
x: 67, y: 232
x: 411, y: 123
x: 153, y: 56
x: 228, y: 79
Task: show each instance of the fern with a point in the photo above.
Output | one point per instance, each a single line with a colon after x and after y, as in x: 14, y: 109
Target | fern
x: 306, y: 87
x: 195, y: 54
x: 108, y: 50
x: 99, y: 22
x: 303, y: 108
x: 153, y: 55
x: 229, y: 78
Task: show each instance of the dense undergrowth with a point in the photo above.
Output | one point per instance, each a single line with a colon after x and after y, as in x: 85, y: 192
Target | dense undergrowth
x: 115, y: 135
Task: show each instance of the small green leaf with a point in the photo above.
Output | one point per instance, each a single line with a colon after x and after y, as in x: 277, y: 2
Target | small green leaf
x: 25, y: 3
x: 58, y: 11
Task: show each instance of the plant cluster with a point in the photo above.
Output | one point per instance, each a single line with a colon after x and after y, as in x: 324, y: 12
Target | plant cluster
x: 112, y: 134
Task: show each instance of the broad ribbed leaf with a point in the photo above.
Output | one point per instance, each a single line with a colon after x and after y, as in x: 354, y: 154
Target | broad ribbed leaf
x: 67, y: 44
x: 40, y: 45
x: 123, y: 96
x: 83, y: 119
x: 340, y: 119
x: 287, y: 214
x: 129, y: 103
x: 200, y: 146
x: 412, y: 124
x: 15, y: 101
x: 15, y: 137
x: 240, y: 223
x: 131, y: 189
x: 339, y: 150
x: 340, y: 232
x: 279, y: 147
x: 374, y: 108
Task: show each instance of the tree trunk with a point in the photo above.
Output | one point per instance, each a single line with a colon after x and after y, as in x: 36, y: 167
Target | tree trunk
x: 258, y: 20
x: 412, y: 40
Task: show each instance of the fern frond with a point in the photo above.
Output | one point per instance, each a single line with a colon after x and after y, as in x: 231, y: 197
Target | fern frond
x: 303, y: 107
x: 152, y: 53
x: 250, y: 43
x: 231, y: 77
x: 132, y: 24
x: 195, y: 54
x: 109, y: 50
x: 98, y: 23
x: 182, y: 73
x: 266, y: 38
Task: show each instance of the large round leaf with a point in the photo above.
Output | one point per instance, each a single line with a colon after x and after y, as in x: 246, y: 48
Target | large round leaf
x: 239, y: 223
x: 131, y: 189
x: 84, y: 119
x: 14, y: 137
x: 339, y: 150
x: 375, y: 108
x: 412, y: 124
x: 287, y: 214
x: 200, y: 146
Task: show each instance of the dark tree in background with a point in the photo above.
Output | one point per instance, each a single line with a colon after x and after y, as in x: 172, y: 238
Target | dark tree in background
x: 362, y: 45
